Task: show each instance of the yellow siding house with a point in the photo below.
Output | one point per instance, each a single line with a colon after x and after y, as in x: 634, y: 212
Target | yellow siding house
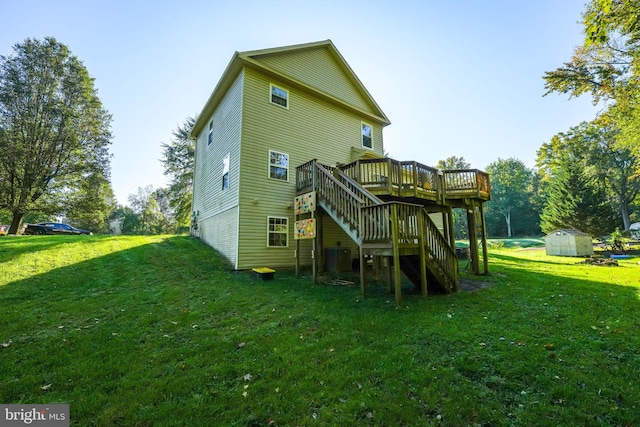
x: 296, y: 120
x: 272, y: 111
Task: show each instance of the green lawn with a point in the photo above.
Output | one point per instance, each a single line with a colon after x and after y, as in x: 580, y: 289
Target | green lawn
x: 156, y: 331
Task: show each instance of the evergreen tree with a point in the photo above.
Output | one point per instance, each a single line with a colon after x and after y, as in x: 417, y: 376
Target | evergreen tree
x: 575, y: 201
x: 178, y: 161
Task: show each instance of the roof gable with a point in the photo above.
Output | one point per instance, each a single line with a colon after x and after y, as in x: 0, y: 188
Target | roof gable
x: 320, y: 66
x: 314, y: 67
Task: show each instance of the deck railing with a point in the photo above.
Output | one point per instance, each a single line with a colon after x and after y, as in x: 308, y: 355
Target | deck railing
x: 377, y: 226
x: 463, y: 182
x: 441, y: 252
x: 414, y: 179
x: 342, y: 200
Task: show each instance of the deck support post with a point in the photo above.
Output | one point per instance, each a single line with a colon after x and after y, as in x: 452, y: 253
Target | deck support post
x: 396, y: 253
x: 297, y: 255
x: 363, y: 273
x: 423, y: 252
x: 389, y: 273
x: 473, y: 239
x: 485, y: 254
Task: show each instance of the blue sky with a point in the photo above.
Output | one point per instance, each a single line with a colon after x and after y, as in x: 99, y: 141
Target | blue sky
x: 456, y: 78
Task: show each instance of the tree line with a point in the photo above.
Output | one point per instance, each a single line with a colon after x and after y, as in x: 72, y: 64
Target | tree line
x: 55, y: 135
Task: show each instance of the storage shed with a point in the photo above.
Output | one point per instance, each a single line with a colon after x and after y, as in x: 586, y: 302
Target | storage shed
x: 568, y: 243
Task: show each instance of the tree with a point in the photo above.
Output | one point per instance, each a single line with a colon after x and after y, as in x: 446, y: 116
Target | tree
x: 453, y: 162
x: 596, y: 148
x: 607, y: 65
x: 90, y: 203
x: 150, y: 213
x: 575, y: 201
x: 510, y: 180
x: 53, y: 128
x: 178, y: 160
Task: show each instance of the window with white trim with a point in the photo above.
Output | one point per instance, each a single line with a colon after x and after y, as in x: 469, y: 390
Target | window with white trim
x: 277, y: 232
x: 225, y: 172
x: 210, y: 140
x: 278, y: 96
x: 278, y: 165
x: 367, y: 136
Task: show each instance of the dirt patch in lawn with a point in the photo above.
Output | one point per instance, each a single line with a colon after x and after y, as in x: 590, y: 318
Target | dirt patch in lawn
x: 472, y: 285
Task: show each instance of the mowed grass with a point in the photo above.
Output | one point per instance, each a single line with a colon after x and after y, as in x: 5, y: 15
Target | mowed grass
x: 157, y: 331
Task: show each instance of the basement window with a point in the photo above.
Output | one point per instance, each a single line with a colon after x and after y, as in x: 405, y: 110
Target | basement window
x: 279, y: 96
x: 277, y: 232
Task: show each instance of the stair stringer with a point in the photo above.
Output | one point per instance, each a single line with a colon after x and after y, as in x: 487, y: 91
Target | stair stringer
x: 344, y: 225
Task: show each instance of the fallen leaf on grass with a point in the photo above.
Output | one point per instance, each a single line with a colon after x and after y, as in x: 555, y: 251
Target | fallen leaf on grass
x: 46, y: 387
x: 240, y: 345
x: 247, y: 377
x: 6, y: 344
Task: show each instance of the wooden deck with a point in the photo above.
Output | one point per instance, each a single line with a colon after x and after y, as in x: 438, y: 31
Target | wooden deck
x: 393, y: 229
x: 408, y: 179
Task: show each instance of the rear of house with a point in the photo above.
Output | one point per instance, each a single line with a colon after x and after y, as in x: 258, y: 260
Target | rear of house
x: 272, y: 111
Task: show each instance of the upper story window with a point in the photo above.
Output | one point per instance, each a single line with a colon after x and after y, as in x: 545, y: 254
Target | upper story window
x: 225, y: 172
x: 278, y: 165
x: 367, y: 138
x: 279, y: 96
x: 210, y: 140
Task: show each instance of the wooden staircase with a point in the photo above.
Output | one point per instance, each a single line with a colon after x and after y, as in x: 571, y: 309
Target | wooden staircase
x: 401, y: 231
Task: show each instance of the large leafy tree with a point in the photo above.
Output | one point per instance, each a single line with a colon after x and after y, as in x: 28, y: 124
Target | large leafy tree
x: 607, y: 66
x: 53, y: 127
x: 90, y: 203
x: 510, y: 183
x: 178, y: 161
x: 150, y: 213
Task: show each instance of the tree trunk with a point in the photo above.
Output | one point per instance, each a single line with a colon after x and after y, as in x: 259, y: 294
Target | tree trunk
x: 624, y: 211
x: 507, y: 218
x: 15, y: 222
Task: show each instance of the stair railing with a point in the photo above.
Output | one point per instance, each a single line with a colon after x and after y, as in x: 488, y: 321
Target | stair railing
x: 340, y: 198
x: 440, y: 251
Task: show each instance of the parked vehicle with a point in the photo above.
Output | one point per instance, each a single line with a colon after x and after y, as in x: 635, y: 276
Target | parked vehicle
x: 53, y: 228
x: 4, y: 229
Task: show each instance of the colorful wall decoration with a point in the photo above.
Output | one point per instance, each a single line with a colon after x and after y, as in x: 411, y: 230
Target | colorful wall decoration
x: 305, y: 203
x: 305, y: 229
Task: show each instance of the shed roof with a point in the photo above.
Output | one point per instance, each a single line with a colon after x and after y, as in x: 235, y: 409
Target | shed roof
x: 252, y: 59
x: 568, y: 231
